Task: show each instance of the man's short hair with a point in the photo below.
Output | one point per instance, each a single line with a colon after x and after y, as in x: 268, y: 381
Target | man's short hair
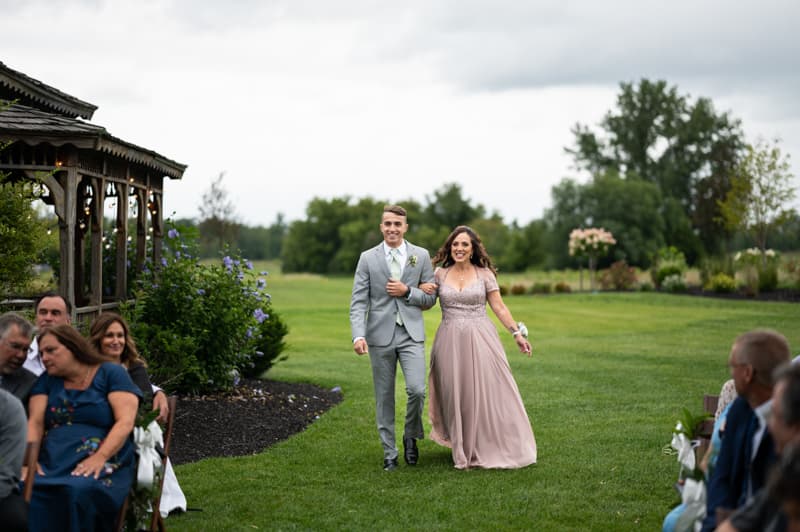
x: 51, y: 293
x: 765, y: 350
x: 790, y: 402
x: 395, y: 209
x: 9, y: 319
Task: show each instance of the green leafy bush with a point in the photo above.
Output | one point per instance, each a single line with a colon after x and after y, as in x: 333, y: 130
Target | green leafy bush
x: 562, y: 287
x: 517, y: 289
x: 722, y: 283
x: 711, y: 266
x: 503, y: 290
x: 541, y: 288
x: 199, y: 326
x: 669, y: 261
x: 619, y: 276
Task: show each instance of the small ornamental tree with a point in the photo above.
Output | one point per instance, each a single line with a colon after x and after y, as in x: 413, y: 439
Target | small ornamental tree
x: 591, y: 243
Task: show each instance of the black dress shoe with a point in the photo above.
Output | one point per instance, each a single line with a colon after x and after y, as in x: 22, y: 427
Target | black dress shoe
x: 390, y: 464
x: 410, y: 451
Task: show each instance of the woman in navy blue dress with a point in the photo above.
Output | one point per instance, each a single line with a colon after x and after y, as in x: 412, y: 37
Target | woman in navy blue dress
x: 83, y: 411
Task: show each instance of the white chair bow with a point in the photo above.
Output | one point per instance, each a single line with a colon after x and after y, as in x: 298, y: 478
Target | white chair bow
x: 146, y: 440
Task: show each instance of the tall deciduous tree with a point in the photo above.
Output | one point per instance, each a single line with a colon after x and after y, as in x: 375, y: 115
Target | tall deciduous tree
x: 217, y: 225
x: 761, y: 191
x: 658, y: 135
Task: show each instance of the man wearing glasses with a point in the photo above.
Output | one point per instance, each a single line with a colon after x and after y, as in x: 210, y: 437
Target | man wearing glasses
x: 15, y: 341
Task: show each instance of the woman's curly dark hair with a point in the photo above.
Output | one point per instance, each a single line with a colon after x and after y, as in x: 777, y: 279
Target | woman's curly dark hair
x: 479, y: 255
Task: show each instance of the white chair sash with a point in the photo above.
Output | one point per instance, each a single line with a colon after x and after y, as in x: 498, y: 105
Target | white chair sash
x: 146, y: 440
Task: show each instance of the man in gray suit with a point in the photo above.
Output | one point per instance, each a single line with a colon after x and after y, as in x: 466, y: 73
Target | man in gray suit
x: 386, y: 323
x: 15, y: 341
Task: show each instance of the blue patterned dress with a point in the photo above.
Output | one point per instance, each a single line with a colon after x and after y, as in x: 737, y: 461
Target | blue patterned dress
x: 75, y: 424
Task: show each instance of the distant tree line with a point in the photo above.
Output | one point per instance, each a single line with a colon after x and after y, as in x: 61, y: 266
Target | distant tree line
x: 663, y: 171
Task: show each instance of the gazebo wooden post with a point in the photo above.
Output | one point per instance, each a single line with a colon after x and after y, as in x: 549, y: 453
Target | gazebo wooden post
x: 141, y: 228
x: 67, y: 226
x: 122, y: 241
x: 157, y: 217
x: 96, y: 221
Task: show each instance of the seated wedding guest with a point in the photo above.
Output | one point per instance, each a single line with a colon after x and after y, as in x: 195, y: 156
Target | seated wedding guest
x: 110, y: 335
x: 747, y: 450
x: 15, y: 340
x: 83, y: 411
x: 766, y: 511
x: 50, y: 309
x: 13, y: 510
x: 726, y: 397
x: 784, y: 487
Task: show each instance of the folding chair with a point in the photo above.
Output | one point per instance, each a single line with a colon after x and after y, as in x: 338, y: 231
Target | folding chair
x: 157, y: 522
x: 31, y: 461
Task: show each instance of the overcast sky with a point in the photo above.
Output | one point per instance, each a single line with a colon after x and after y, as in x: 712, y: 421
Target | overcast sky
x: 301, y: 98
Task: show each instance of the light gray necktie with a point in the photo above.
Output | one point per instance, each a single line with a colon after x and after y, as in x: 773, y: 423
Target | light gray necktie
x: 394, y: 264
x: 394, y: 269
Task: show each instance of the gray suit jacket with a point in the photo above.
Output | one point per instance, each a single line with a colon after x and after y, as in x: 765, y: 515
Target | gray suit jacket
x: 19, y: 384
x: 373, y: 311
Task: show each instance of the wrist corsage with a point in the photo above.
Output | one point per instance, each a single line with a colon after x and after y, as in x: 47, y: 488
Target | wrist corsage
x: 521, y: 330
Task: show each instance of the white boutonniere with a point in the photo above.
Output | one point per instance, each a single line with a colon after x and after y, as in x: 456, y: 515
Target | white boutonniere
x: 412, y: 260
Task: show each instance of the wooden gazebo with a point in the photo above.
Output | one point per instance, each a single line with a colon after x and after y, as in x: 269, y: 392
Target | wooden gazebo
x: 81, y: 165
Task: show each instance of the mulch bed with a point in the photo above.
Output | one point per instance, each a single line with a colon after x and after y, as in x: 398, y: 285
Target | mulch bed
x: 785, y: 295
x: 257, y: 414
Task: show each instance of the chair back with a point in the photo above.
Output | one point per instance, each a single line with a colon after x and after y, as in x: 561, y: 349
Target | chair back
x: 157, y: 522
x: 31, y: 462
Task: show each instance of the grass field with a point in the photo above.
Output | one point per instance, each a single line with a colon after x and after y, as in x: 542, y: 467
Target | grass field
x: 609, y: 375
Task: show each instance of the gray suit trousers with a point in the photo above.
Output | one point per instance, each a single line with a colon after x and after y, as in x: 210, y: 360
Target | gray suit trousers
x: 384, y: 359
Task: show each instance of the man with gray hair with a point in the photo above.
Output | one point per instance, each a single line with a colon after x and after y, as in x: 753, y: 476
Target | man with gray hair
x: 15, y: 342
x: 764, y: 512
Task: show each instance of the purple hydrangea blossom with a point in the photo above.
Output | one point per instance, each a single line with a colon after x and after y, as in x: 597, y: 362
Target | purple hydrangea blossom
x: 201, y: 292
x: 173, y: 233
x: 163, y: 261
x: 248, y: 265
x: 228, y: 262
x: 260, y: 315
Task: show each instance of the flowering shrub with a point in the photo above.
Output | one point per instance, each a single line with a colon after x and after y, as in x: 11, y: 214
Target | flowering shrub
x: 198, y: 325
x: 673, y: 283
x: 590, y: 242
x: 618, y: 276
x: 760, y: 269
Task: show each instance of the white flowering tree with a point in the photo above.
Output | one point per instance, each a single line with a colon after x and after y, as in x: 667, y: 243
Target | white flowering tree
x: 591, y: 243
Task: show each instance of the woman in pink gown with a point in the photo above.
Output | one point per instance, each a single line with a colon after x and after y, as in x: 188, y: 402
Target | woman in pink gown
x: 475, y: 406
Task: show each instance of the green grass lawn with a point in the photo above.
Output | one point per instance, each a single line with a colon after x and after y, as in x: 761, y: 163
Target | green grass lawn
x: 609, y: 376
